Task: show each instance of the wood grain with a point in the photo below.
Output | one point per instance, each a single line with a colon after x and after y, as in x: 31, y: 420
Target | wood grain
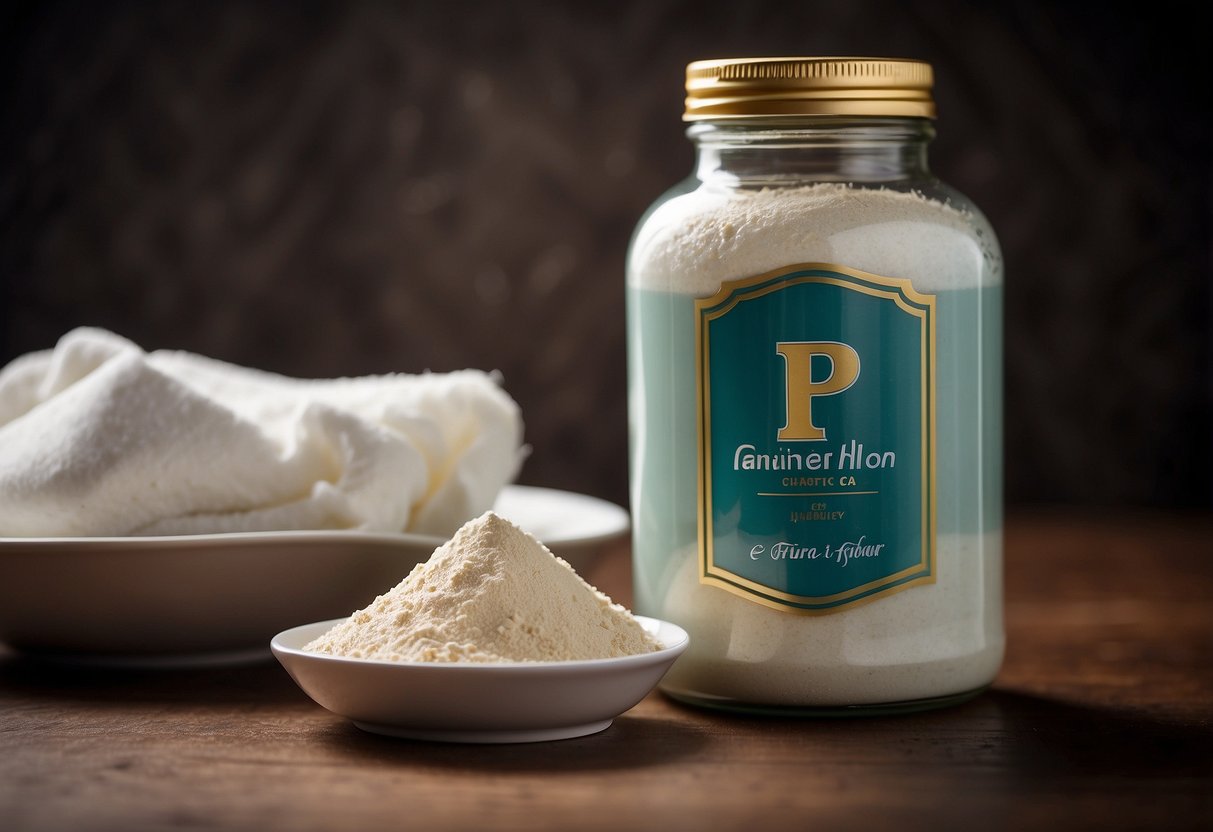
x: 1101, y: 719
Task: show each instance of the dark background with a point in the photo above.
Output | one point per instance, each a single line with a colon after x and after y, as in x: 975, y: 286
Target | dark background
x: 340, y: 189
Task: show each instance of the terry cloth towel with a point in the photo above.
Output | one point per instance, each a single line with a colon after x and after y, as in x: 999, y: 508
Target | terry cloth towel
x: 99, y: 438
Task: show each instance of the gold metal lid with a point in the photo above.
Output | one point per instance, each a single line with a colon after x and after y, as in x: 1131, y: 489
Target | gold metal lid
x: 765, y: 87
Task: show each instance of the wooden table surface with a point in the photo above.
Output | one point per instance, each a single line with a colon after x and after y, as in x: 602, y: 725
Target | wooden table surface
x: 1102, y: 718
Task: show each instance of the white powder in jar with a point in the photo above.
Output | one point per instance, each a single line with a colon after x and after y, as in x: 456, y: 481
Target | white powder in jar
x: 926, y: 641
x: 693, y: 243
x: 493, y: 593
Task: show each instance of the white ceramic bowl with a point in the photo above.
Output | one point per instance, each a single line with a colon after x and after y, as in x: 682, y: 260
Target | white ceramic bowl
x: 197, y: 599
x: 480, y: 703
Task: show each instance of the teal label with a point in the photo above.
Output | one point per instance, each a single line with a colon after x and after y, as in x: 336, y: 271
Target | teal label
x: 816, y: 437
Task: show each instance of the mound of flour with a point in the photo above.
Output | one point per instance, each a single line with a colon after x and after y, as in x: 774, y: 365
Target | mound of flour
x: 492, y: 593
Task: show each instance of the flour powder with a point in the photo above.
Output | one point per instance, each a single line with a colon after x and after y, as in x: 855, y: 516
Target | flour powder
x: 493, y: 593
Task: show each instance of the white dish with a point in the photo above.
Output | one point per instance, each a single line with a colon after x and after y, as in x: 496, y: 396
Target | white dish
x: 478, y: 703
x: 202, y: 598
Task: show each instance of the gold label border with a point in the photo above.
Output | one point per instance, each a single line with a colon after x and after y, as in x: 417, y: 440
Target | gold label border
x: 922, y: 306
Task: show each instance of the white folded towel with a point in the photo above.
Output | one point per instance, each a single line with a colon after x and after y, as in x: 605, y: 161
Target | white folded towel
x: 99, y: 438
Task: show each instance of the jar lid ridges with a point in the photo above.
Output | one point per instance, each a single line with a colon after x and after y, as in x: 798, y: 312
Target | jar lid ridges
x: 771, y: 87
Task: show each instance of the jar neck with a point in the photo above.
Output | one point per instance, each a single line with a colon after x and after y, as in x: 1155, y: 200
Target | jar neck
x: 812, y: 149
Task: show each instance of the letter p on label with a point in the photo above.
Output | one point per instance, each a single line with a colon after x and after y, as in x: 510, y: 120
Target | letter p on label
x: 802, y: 387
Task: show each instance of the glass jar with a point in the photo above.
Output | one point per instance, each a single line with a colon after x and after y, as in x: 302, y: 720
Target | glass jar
x: 815, y: 382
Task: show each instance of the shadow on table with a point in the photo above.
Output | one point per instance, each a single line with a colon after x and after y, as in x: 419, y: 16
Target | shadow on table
x: 632, y: 742
x: 1044, y: 737
x: 262, y: 682
x: 1026, y: 735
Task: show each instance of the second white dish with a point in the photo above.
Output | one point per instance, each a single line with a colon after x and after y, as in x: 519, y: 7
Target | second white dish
x: 204, y: 597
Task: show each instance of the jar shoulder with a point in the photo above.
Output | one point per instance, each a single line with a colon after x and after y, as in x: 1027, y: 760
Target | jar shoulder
x: 977, y: 222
